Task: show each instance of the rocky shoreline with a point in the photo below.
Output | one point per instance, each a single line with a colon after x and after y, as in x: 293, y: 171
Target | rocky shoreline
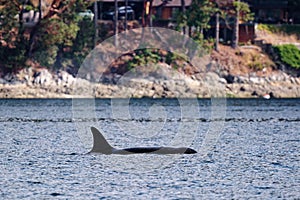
x: 33, y: 83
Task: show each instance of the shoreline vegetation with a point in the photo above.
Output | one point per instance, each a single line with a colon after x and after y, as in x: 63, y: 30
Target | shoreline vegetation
x: 222, y: 77
x: 250, y: 71
x: 185, y: 81
x: 43, y: 59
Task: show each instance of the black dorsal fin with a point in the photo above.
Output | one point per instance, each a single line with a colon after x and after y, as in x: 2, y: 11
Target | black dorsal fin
x: 100, y: 143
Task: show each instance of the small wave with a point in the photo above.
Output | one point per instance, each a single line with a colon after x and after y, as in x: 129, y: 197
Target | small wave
x: 34, y: 182
x: 263, y: 187
x: 18, y: 119
x: 205, y: 120
x: 69, y: 120
x: 292, y: 141
x: 56, y: 194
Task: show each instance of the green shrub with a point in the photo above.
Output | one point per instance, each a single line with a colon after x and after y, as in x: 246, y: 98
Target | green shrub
x: 289, y: 54
x: 142, y: 57
x: 255, y: 62
x: 46, y: 57
x: 282, y: 28
x: 257, y: 65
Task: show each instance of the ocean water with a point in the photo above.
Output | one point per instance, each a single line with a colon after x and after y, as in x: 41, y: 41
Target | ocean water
x: 247, y: 149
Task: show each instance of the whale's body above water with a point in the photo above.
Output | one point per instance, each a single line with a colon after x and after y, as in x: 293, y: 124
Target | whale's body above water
x: 102, y: 146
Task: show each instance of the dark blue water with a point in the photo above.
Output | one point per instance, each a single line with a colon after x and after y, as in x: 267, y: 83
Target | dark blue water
x: 248, y: 148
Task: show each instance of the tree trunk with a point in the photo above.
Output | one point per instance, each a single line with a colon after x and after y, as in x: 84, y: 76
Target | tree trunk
x: 217, y: 31
x: 201, y: 30
x: 96, y: 23
x: 183, y: 13
x: 126, y: 15
x: 235, y: 39
x: 147, y: 13
x: 34, y: 31
x: 143, y: 14
x: 116, y: 23
x: 190, y: 31
x: 22, y: 29
x: 40, y: 10
x: 150, y: 15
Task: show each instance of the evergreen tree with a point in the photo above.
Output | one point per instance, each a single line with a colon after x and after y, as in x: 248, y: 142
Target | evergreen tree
x: 47, y: 39
x: 200, y: 14
x: 13, y: 45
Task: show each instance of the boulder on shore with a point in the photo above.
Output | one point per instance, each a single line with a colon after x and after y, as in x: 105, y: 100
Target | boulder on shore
x: 41, y: 83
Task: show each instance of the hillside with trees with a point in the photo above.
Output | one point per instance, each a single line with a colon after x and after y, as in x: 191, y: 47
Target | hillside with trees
x: 39, y: 35
x: 51, y: 34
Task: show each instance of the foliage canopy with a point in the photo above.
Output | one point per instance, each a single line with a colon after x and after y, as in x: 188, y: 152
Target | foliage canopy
x: 48, y: 39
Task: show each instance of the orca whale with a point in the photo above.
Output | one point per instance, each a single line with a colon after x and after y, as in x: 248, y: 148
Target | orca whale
x: 102, y: 146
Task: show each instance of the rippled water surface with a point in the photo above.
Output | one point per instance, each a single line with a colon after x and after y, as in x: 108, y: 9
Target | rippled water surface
x: 248, y: 148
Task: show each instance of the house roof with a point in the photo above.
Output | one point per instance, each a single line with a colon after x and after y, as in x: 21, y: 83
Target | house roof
x: 156, y: 3
x: 110, y: 1
x: 170, y: 3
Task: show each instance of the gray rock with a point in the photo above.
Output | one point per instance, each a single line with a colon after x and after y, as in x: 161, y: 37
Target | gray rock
x: 223, y: 81
x: 9, y: 78
x: 297, y: 81
x: 257, y: 80
x: 43, y: 78
x: 158, y: 88
x: 241, y: 79
x: 229, y: 78
x: 3, y: 81
x: 26, y: 75
x: 212, y: 77
x: 65, y: 78
x: 279, y: 77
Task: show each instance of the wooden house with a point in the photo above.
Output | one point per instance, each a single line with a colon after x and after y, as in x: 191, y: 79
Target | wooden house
x: 270, y: 11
